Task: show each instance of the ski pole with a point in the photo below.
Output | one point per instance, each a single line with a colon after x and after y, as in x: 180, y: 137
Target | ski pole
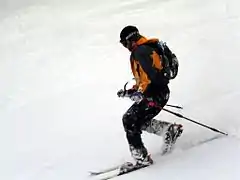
x: 174, y: 106
x: 183, y: 117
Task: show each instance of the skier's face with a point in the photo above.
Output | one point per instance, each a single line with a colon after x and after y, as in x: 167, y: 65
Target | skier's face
x: 127, y: 44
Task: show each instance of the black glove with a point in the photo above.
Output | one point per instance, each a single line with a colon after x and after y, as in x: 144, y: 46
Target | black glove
x: 126, y: 93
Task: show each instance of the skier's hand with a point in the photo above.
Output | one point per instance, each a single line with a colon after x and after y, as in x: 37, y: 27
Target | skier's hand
x: 137, y: 97
x: 121, y: 93
x: 126, y: 93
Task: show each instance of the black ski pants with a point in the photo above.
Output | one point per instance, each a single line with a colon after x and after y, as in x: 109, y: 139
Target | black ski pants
x: 140, y: 114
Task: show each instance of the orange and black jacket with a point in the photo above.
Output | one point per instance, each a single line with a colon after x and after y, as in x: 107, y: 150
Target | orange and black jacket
x: 147, y: 68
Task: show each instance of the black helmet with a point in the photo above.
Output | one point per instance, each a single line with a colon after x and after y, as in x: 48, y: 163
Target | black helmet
x: 128, y: 32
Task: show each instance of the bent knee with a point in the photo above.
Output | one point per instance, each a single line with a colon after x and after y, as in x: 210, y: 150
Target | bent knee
x: 126, y: 120
x: 129, y: 122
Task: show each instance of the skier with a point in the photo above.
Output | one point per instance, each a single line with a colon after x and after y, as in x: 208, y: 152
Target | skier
x: 149, y: 94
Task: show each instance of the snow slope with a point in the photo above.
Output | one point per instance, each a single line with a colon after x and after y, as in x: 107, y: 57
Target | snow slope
x: 61, y: 66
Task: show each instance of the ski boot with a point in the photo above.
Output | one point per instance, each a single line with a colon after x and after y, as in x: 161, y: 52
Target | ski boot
x: 145, y: 162
x: 141, y: 156
x: 173, y: 132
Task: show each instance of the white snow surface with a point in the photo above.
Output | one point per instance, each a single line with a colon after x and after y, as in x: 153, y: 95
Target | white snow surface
x: 61, y: 65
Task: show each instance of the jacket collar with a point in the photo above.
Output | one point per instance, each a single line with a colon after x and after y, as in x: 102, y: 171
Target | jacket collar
x: 144, y: 40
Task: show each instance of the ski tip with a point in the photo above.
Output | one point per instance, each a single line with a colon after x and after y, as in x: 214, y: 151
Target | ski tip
x: 92, y: 173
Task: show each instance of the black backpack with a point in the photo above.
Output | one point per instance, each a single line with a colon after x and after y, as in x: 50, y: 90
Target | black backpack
x: 169, y: 60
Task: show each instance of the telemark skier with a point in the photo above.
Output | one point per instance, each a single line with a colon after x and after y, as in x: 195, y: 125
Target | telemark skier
x: 149, y: 94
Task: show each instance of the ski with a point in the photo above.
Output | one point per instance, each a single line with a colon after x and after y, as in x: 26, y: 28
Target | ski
x: 167, y: 149
x: 128, y: 167
x: 107, y: 170
x: 124, y: 169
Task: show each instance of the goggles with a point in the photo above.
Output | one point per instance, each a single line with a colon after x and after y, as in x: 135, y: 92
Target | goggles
x: 124, y: 41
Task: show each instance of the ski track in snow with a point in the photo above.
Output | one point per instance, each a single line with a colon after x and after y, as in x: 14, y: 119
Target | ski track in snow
x: 61, y: 65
